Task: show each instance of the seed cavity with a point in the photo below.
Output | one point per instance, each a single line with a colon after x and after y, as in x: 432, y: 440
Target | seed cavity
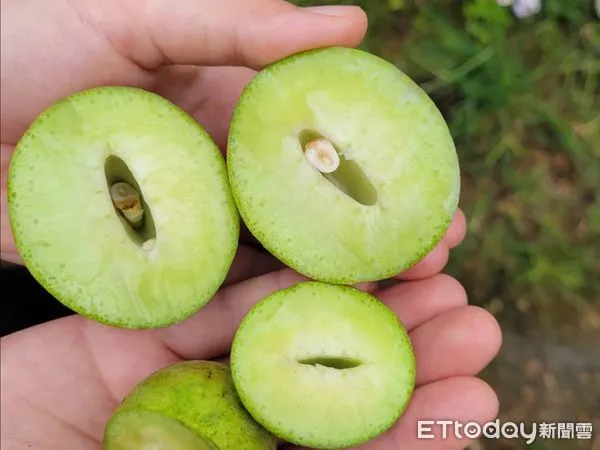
x: 333, y: 362
x: 128, y: 201
x: 322, y: 155
x: 345, y: 174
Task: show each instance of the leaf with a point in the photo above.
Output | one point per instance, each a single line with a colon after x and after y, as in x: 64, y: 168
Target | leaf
x: 396, y: 5
x: 486, y: 19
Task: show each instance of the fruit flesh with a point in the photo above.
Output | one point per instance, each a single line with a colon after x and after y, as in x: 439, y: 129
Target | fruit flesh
x: 399, y: 166
x: 76, y: 243
x: 197, y: 395
x: 148, y: 431
x: 323, y: 366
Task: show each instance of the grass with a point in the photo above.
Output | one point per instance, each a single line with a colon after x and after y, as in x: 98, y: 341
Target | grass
x: 522, y: 100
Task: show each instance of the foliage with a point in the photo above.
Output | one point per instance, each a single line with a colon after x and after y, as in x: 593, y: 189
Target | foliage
x: 522, y: 99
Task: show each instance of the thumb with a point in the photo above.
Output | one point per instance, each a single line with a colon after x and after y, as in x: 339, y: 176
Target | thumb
x: 250, y: 33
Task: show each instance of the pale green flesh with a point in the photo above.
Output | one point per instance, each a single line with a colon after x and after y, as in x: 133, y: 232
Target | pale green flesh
x: 73, y: 240
x: 201, y: 396
x: 312, y: 404
x: 383, y: 124
x: 142, y: 430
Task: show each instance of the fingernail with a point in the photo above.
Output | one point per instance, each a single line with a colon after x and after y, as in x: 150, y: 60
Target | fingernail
x: 332, y: 10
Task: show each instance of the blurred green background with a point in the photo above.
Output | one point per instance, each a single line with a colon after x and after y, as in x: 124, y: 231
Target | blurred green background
x: 522, y: 99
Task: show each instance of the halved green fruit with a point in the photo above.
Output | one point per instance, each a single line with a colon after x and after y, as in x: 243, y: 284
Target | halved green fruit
x: 186, y: 406
x: 85, y: 250
x: 143, y: 430
x: 396, y: 189
x: 323, y: 366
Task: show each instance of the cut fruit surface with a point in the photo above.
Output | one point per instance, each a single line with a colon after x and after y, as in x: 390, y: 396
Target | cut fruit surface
x: 120, y: 207
x: 323, y: 366
x: 142, y: 430
x: 188, y: 405
x: 393, y: 192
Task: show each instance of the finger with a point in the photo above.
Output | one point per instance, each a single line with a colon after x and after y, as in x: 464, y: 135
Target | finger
x: 221, y: 88
x: 8, y: 251
x: 457, y: 231
x: 462, y: 399
x: 436, y: 260
x: 209, y: 333
x: 367, y: 286
x: 251, y: 33
x: 209, y: 94
x: 417, y: 302
x: 460, y: 342
x: 250, y: 263
x: 431, y: 264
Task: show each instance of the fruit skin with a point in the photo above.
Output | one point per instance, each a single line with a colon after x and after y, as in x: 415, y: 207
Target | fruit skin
x: 317, y: 407
x: 307, y: 223
x: 201, y: 396
x: 189, y: 279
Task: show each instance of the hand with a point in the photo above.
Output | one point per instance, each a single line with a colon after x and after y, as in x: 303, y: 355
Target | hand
x: 66, y: 390
x: 199, y: 54
x: 62, y: 380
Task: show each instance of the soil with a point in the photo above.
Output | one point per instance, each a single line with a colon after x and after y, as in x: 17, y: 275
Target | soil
x: 547, y: 372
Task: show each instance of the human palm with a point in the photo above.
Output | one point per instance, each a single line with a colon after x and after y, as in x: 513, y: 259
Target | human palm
x: 199, y: 55
x: 61, y: 380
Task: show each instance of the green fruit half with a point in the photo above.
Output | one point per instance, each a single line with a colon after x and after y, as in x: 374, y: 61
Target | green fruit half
x: 323, y: 366
x: 395, y: 191
x: 186, y: 406
x: 153, y: 270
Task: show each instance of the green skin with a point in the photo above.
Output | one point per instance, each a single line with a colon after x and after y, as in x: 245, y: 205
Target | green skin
x: 187, y: 406
x: 323, y: 366
x: 80, y: 247
x: 391, y: 200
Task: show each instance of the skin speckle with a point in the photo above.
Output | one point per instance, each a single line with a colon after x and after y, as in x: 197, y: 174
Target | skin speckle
x: 411, y: 165
x: 47, y: 170
x: 200, y: 396
x: 300, y: 420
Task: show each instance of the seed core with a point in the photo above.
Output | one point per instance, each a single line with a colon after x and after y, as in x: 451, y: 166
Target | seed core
x: 127, y: 200
x: 322, y: 155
